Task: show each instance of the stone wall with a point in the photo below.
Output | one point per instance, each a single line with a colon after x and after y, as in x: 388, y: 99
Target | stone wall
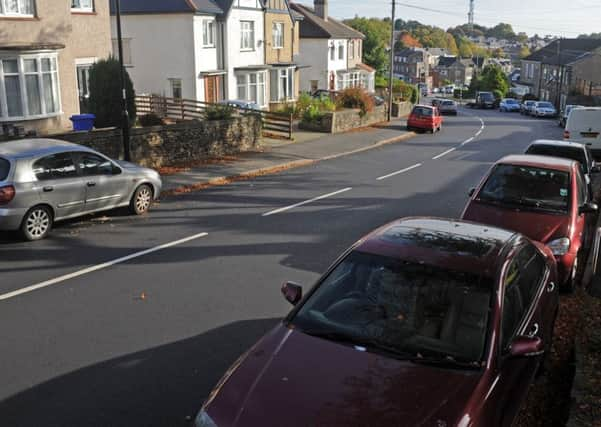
x: 401, y: 109
x: 176, y: 144
x: 345, y: 120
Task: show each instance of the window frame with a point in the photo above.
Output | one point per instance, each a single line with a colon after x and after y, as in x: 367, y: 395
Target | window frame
x: 244, y: 81
x: 277, y: 35
x: 83, y: 9
x: 176, y: 83
x: 127, y: 52
x: 341, y: 52
x: 284, y: 79
x: 208, y: 33
x: 41, y: 73
x: 250, y: 30
x: 19, y: 14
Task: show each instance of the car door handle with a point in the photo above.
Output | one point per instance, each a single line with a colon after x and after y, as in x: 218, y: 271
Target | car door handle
x: 48, y: 189
x: 533, y: 330
x: 551, y: 287
x: 91, y: 184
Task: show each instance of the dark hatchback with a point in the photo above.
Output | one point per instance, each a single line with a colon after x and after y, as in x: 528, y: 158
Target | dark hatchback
x: 423, y: 322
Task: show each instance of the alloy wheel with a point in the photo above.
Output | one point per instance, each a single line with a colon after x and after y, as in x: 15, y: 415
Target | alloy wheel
x: 143, y: 199
x: 38, y: 223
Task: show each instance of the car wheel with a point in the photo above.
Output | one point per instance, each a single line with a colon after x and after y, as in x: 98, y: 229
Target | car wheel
x: 141, y: 200
x: 37, y: 223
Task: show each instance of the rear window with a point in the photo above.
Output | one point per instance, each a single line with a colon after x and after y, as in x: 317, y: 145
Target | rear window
x: 486, y: 96
x: 422, y: 111
x: 448, y: 103
x: 545, y: 105
x: 563, y: 152
x: 4, y: 168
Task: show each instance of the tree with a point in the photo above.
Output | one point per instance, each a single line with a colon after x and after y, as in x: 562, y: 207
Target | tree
x: 407, y: 40
x: 105, y: 93
x: 451, y: 44
x: 493, y: 79
x: 524, y: 52
x: 464, y: 47
x: 377, y: 37
x: 501, y: 31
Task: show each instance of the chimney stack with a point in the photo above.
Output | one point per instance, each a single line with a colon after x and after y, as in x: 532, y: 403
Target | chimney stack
x: 321, y: 9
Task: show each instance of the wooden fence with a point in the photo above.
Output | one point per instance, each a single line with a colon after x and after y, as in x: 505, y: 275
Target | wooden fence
x: 277, y: 125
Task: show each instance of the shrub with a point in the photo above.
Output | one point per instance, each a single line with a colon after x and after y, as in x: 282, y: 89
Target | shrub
x: 356, y: 98
x: 414, y: 95
x: 326, y: 104
x: 219, y: 112
x: 150, y: 119
x: 287, y: 109
x: 105, y: 100
x: 312, y: 114
x: 498, y: 94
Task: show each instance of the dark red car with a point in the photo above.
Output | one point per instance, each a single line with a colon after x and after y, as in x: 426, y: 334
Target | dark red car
x: 544, y: 198
x: 424, y: 322
x: 424, y: 117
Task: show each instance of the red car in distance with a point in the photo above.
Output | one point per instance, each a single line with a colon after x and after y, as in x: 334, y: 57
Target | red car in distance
x: 426, y: 118
x: 424, y: 322
x: 544, y: 198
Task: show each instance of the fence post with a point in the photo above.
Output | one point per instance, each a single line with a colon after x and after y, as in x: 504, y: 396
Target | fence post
x: 290, y: 127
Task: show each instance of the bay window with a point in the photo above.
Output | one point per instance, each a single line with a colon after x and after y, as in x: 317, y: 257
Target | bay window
x: 247, y: 35
x: 82, y: 5
x: 29, y: 87
x: 251, y: 87
x: 347, y: 80
x: 17, y: 7
x: 282, y: 85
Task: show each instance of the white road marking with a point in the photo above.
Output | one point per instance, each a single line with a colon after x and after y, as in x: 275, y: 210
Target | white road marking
x: 444, y: 154
x: 94, y: 268
x: 306, y: 202
x: 467, y: 141
x: 479, y: 132
x: 417, y: 165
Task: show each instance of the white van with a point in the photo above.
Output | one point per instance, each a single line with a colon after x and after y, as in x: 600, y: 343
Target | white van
x: 584, y: 126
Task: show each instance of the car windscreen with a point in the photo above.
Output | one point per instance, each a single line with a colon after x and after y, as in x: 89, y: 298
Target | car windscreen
x: 572, y: 153
x: 422, y: 111
x: 511, y: 101
x: 4, y: 168
x: 544, y: 105
x: 527, y: 187
x: 486, y: 96
x: 448, y: 103
x: 404, y: 309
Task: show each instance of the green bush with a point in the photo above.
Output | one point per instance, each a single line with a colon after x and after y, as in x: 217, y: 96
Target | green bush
x: 219, y: 112
x: 105, y: 100
x: 498, y: 94
x: 414, y: 95
x: 150, y: 119
x: 312, y: 114
x: 355, y: 97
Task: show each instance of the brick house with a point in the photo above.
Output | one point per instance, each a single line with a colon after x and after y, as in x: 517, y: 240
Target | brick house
x: 412, y: 65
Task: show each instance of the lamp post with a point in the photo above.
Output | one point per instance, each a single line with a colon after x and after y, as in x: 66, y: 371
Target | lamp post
x: 391, y: 71
x: 124, y: 112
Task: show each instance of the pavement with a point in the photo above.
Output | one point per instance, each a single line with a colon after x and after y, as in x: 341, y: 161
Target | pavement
x: 307, y: 148
x: 130, y: 321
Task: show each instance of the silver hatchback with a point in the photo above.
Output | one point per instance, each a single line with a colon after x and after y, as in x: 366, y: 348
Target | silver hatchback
x: 46, y: 180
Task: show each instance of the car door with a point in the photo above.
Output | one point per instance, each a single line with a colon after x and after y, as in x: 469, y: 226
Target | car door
x: 106, y: 186
x: 60, y: 184
x: 585, y: 222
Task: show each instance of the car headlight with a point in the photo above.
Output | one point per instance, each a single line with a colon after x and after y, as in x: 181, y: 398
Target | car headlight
x: 560, y: 247
x: 204, y: 420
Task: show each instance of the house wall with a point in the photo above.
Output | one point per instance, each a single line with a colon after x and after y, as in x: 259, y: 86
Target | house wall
x: 357, y: 57
x: 162, y: 48
x: 314, y: 55
x: 84, y: 36
x: 530, y: 75
x: 285, y: 54
x: 205, y: 58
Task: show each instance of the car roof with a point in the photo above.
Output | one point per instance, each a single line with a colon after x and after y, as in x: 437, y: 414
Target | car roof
x: 557, y: 143
x: 457, y: 245
x: 423, y: 106
x: 546, y: 162
x: 35, y: 147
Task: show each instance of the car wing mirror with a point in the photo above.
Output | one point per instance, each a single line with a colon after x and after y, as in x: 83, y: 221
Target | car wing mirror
x: 292, y: 292
x: 471, y: 192
x: 526, y: 346
x: 589, y: 208
x: 596, y: 168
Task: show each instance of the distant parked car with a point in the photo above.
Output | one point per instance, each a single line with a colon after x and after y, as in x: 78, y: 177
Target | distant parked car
x: 426, y: 118
x: 584, y: 126
x: 526, y: 107
x: 484, y: 100
x: 546, y: 199
x: 435, y: 90
x: 246, y: 105
x: 544, y: 109
x: 424, y: 322
x: 509, y: 105
x: 448, y: 107
x: 44, y: 180
x: 563, y: 117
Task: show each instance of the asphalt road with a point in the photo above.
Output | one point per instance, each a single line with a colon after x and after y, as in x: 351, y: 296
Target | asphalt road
x: 141, y: 341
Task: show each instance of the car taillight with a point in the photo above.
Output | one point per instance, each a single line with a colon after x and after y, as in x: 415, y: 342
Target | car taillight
x: 7, y: 193
x: 566, y: 134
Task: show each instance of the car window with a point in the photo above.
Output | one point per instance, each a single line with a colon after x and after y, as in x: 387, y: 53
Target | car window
x: 57, y: 166
x: 412, y: 308
x: 92, y: 164
x: 582, y: 193
x: 422, y: 111
x: 4, y: 168
x: 527, y: 186
x: 572, y: 153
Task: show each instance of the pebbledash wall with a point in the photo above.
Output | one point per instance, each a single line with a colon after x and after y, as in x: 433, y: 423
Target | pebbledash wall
x: 176, y: 144
x: 345, y: 120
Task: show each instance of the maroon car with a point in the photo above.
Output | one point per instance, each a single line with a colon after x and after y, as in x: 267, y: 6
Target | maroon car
x: 546, y: 199
x: 425, y: 322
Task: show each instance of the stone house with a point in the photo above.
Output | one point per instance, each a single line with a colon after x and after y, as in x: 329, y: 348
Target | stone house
x: 412, y: 65
x: 46, y: 50
x: 458, y: 71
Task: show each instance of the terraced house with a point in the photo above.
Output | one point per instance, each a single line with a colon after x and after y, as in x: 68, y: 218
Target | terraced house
x: 46, y: 50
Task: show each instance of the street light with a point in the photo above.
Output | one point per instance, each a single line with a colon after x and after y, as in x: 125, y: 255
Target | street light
x: 124, y: 112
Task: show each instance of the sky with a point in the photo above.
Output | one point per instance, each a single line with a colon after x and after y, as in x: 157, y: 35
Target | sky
x: 557, y: 17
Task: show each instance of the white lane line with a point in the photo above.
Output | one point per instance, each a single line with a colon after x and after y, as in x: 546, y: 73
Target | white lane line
x: 479, y: 132
x: 444, y: 154
x: 306, y: 202
x: 94, y: 268
x: 467, y: 141
x: 417, y: 165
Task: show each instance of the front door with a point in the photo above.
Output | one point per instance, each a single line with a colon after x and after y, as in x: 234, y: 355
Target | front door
x: 105, y: 186
x: 213, y: 89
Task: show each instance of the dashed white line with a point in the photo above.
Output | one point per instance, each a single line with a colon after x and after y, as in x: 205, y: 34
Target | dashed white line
x: 306, y: 202
x: 94, y: 268
x: 444, y: 154
x: 417, y: 165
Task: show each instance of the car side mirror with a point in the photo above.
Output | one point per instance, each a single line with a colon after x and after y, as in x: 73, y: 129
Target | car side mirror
x: 116, y: 170
x: 588, y: 208
x: 596, y: 168
x: 525, y: 346
x: 471, y: 192
x: 292, y: 292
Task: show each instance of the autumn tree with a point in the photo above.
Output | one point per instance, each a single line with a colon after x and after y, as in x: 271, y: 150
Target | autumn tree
x: 377, y: 38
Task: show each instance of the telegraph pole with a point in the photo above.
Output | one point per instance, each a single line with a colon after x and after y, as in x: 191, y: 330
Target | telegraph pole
x: 391, y: 70
x: 124, y: 113
x: 470, y: 16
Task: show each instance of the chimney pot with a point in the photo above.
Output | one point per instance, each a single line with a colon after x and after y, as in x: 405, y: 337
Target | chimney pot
x: 321, y: 9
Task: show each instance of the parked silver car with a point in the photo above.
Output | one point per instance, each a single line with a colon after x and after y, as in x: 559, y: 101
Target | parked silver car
x: 46, y: 180
x: 448, y: 107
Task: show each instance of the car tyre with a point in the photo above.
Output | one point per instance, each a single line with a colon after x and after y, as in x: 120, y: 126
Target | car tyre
x: 37, y: 223
x: 141, y: 200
